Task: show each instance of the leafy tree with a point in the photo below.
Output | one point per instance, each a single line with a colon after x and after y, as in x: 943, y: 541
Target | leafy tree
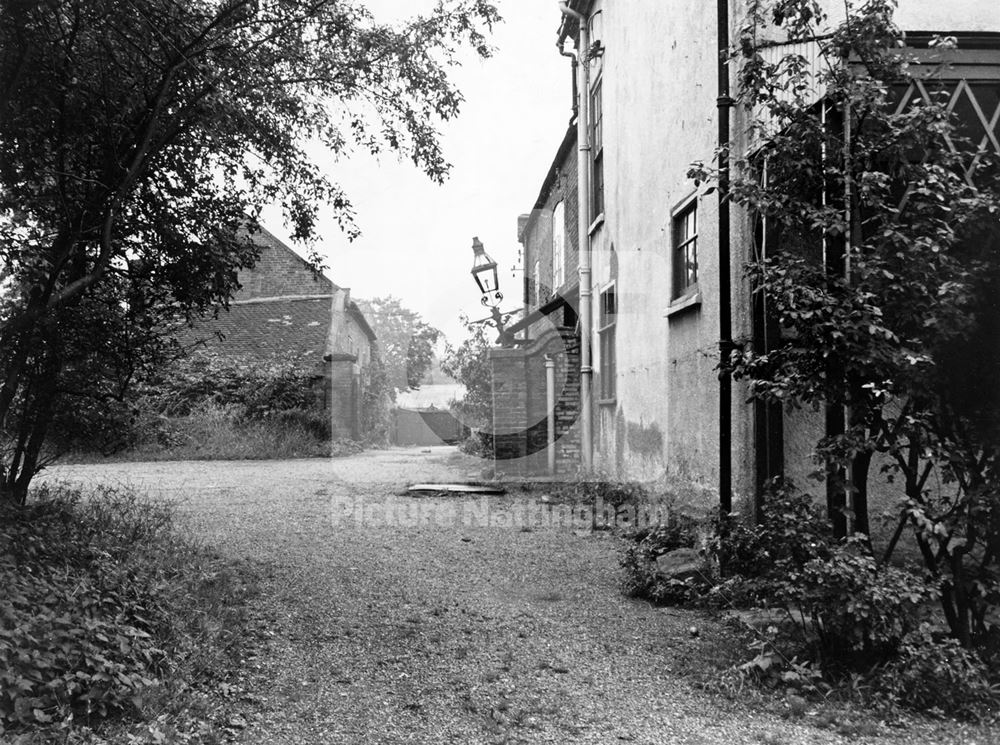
x: 405, y: 340
x: 139, y: 141
x: 880, y: 275
x: 469, y: 364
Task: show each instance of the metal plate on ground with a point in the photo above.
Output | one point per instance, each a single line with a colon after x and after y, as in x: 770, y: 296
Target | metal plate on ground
x: 457, y: 488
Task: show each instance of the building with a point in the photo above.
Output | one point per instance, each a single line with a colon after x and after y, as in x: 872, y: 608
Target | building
x: 284, y: 310
x: 547, y: 337
x: 633, y: 270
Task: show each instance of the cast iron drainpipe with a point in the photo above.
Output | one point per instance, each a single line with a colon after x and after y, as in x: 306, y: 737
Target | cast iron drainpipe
x: 583, y: 201
x: 724, y: 103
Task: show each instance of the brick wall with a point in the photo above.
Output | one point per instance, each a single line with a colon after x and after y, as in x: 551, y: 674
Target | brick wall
x: 345, y: 397
x: 535, y: 234
x: 279, y: 271
x: 520, y: 407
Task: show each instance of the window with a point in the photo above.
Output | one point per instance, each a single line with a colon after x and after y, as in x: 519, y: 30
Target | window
x: 685, y: 247
x: 558, y: 246
x: 597, y: 152
x: 975, y: 108
x: 538, y: 282
x: 607, y: 317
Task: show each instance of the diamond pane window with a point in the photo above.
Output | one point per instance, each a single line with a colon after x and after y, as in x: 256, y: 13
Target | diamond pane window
x: 975, y: 107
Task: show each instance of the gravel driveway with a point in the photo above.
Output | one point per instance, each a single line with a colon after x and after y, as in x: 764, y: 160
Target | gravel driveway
x: 404, y: 619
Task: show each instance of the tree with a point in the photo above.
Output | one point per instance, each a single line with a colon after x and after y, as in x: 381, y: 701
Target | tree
x: 405, y: 340
x: 880, y: 274
x: 139, y: 141
x: 469, y: 364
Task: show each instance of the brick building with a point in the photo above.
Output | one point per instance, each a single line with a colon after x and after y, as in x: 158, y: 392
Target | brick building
x: 547, y: 332
x: 285, y: 310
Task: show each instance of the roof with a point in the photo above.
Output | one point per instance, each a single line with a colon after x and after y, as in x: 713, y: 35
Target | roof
x: 568, y: 26
x: 359, y: 318
x: 284, y: 308
x: 283, y: 326
x: 565, y: 148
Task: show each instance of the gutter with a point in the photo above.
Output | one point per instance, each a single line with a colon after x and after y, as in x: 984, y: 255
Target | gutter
x: 724, y: 103
x: 583, y: 201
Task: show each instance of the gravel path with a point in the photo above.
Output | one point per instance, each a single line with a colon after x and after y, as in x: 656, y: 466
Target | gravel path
x: 428, y: 627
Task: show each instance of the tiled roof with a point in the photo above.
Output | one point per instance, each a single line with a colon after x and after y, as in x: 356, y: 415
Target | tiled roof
x: 292, y: 328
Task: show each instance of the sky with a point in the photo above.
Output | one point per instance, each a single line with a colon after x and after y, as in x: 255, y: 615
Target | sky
x: 416, y: 241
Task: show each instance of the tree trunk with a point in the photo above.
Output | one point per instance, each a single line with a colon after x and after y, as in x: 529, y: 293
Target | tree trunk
x: 859, y: 497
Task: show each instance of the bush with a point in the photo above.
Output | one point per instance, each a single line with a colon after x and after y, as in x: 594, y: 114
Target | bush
x: 213, y: 432
x: 935, y: 674
x: 316, y: 423
x: 252, y: 388
x: 850, y: 605
x: 104, y: 603
x: 793, y: 531
x: 478, y: 443
x: 849, y: 621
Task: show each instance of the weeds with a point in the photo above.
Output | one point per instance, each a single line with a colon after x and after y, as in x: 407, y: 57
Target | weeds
x: 111, y: 613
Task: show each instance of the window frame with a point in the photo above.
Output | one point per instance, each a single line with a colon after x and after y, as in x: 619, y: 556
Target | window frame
x: 607, y: 323
x: 596, y: 195
x: 684, y: 283
x: 559, y: 248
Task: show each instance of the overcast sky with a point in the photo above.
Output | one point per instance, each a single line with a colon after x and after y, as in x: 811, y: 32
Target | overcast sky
x: 416, y: 238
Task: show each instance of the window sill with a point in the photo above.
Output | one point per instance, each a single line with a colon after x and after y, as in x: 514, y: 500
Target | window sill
x: 607, y: 401
x: 597, y: 223
x: 682, y: 304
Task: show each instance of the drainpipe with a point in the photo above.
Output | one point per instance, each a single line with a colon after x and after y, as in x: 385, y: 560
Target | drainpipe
x: 583, y: 197
x: 550, y: 407
x: 724, y: 103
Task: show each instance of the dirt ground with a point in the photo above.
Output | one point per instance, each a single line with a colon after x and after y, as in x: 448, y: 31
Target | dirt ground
x: 449, y: 619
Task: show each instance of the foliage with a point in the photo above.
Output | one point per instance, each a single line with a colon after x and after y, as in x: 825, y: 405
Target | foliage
x: 213, y: 432
x: 376, y: 404
x: 106, y: 603
x: 837, y: 618
x: 254, y: 388
x: 938, y: 675
x: 850, y: 604
x: 880, y: 270
x: 792, y: 531
x: 139, y: 142
x: 469, y: 364
x: 405, y: 340
x: 645, y: 546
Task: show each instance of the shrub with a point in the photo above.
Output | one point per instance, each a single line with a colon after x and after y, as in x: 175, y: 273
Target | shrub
x: 613, y: 493
x: 851, y: 605
x: 316, y: 423
x: 104, y: 602
x: 253, y: 388
x: 478, y: 443
x: 793, y: 530
x: 212, y: 432
x: 935, y: 674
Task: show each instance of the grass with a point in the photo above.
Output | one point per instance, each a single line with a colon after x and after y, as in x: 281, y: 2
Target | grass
x: 115, y: 625
x: 217, y: 433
